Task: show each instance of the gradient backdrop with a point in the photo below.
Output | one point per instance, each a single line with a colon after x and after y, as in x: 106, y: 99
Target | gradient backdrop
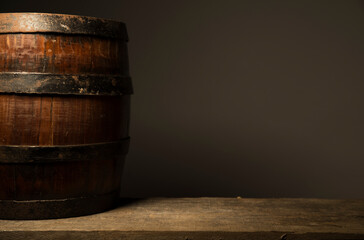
x: 240, y: 98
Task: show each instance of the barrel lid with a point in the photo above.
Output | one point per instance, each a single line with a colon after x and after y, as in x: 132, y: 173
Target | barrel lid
x: 61, y: 23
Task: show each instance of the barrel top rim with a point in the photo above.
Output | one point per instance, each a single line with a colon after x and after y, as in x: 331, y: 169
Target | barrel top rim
x: 35, y: 22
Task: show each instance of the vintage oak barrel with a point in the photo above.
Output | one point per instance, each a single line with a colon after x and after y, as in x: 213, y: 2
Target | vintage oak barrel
x: 64, y: 114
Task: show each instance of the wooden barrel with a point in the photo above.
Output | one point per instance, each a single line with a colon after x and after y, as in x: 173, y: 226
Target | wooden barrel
x: 64, y: 114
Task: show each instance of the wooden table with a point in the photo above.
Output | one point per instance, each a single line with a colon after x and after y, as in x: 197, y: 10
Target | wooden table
x: 204, y: 218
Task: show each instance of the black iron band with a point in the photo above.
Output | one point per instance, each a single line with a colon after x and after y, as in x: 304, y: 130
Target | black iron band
x: 63, y: 153
x: 57, y: 208
x: 39, y: 83
x: 61, y: 23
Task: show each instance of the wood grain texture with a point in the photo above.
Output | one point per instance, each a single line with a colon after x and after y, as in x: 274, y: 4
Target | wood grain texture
x: 62, y: 120
x: 62, y: 54
x: 205, y: 218
x: 27, y: 22
x: 60, y: 180
x: 44, y: 120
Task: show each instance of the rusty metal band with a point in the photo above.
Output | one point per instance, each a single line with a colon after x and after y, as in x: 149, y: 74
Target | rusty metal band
x: 57, y: 208
x: 61, y: 23
x: 10, y: 154
x: 39, y: 83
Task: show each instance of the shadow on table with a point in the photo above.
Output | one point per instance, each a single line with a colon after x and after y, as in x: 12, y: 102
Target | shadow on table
x: 129, y: 201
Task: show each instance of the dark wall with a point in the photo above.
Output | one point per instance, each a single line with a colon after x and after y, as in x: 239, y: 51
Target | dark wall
x: 248, y: 98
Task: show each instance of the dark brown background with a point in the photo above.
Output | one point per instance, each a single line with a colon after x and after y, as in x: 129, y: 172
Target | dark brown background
x: 240, y: 98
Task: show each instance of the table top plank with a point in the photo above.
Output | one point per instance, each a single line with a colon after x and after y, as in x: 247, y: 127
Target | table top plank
x: 201, y: 217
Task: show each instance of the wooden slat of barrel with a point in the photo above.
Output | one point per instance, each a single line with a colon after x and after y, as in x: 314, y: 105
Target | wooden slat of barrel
x: 62, y: 120
x: 66, y: 48
x: 54, y: 53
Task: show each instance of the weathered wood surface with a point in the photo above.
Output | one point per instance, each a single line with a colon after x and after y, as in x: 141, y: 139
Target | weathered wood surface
x: 204, y: 218
x: 62, y: 120
x: 62, y: 54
